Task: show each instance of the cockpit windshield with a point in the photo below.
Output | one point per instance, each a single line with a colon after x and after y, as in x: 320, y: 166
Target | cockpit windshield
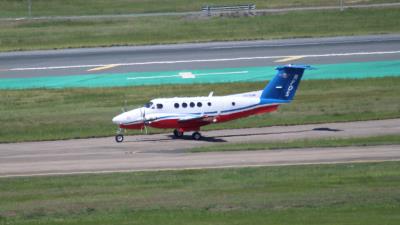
x: 148, y: 105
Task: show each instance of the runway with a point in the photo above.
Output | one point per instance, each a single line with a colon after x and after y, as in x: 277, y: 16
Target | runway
x: 215, y: 55
x: 162, y: 152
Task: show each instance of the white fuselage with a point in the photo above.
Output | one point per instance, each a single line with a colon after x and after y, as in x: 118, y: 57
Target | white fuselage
x: 189, y: 113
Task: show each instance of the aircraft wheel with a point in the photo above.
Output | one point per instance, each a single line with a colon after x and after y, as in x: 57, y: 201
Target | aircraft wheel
x: 119, y: 138
x: 196, y: 136
x: 178, y: 133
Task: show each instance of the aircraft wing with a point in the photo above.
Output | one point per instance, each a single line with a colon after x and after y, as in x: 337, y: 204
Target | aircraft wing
x: 196, y: 118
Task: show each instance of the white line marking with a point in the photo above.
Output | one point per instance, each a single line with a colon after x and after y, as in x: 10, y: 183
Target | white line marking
x: 221, y: 73
x: 180, y: 75
x: 187, y: 75
x: 151, y: 77
x: 203, y: 60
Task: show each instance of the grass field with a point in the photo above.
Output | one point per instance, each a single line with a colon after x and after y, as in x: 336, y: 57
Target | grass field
x: 302, y: 143
x: 19, y: 8
x: 319, y: 194
x: 43, y: 34
x: 48, y: 114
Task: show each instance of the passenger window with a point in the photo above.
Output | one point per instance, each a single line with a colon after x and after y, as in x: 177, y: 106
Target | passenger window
x: 159, y: 106
x: 233, y: 103
x: 209, y: 103
x: 184, y: 105
x: 192, y: 104
x: 199, y: 104
x: 176, y: 105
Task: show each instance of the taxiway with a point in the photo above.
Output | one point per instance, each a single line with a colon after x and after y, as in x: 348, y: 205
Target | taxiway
x: 162, y: 152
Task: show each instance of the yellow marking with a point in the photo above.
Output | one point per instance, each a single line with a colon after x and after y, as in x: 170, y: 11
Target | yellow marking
x: 290, y: 58
x: 103, y: 67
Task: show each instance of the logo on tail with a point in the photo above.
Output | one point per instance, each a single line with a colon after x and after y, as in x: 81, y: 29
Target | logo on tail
x: 290, y: 88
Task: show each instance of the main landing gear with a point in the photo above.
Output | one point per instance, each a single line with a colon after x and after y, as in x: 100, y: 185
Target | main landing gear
x: 178, y: 133
x: 196, y: 136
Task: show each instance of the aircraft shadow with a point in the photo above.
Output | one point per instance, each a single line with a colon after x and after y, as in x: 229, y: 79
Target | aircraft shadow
x: 219, y: 138
x: 203, y: 138
x: 326, y: 129
x: 185, y: 138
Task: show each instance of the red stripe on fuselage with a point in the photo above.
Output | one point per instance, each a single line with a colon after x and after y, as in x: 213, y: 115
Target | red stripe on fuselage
x: 255, y: 111
x: 195, y: 124
x: 175, y: 123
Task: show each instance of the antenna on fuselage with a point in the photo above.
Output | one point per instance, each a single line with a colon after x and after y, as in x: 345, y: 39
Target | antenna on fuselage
x: 125, y: 104
x: 211, y: 94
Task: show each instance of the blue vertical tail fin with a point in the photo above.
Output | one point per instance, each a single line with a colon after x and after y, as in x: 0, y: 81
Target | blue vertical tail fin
x: 284, y: 85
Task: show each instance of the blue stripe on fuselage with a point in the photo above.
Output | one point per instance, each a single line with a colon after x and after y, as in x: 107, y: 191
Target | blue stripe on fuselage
x: 262, y: 102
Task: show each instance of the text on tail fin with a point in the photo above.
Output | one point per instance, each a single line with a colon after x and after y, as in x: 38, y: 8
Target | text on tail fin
x: 284, y: 85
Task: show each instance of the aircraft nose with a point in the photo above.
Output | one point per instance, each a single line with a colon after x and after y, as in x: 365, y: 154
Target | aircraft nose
x: 118, y: 119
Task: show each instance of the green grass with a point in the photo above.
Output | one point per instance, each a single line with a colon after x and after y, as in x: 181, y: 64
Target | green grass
x: 43, y: 34
x: 19, y: 8
x: 302, y: 143
x: 48, y: 114
x: 318, y: 194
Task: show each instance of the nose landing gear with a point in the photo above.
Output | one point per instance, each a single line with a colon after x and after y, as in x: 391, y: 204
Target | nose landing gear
x: 120, y: 136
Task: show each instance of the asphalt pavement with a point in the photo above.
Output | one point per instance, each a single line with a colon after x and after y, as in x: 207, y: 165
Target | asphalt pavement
x: 214, y: 55
x: 163, y: 152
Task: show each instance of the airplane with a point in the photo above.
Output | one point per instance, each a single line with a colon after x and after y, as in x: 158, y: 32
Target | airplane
x: 188, y: 114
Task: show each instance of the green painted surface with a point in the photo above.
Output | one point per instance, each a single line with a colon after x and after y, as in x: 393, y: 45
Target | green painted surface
x: 243, y: 74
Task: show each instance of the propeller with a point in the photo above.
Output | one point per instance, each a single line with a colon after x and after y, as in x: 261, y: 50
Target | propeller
x: 123, y: 109
x: 143, y: 115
